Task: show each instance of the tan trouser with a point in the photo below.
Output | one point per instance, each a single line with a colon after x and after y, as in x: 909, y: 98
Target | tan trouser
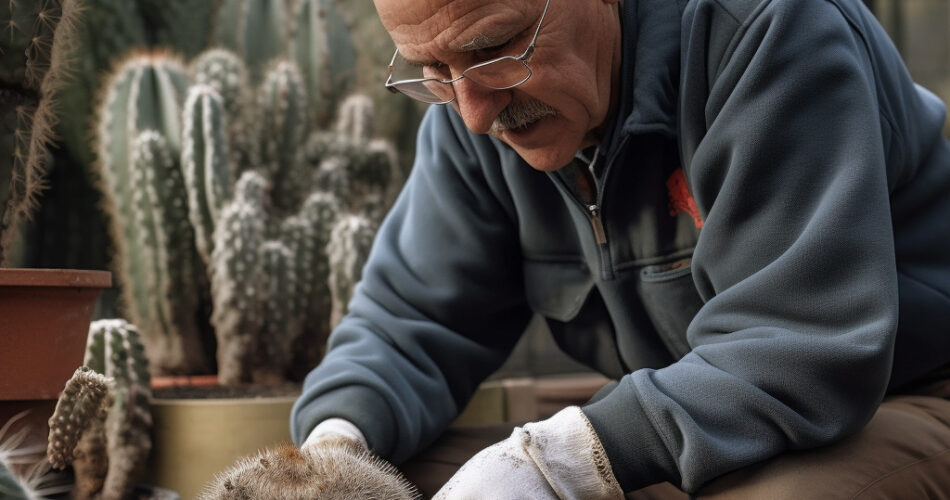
x: 903, y: 453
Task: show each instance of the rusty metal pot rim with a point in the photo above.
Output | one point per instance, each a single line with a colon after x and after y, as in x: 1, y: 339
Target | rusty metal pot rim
x: 81, y: 278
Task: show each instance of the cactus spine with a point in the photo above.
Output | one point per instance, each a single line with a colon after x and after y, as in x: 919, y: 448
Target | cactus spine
x: 140, y: 134
x: 34, y: 52
x: 25, y: 474
x: 102, y: 420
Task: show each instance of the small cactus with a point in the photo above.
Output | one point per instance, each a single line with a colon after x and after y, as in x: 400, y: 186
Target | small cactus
x: 335, y: 470
x: 102, y: 420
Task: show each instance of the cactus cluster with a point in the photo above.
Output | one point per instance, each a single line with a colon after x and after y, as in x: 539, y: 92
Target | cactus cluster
x: 102, y: 420
x: 35, y: 39
x: 233, y: 166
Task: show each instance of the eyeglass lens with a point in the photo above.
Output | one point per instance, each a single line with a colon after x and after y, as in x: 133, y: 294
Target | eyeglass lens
x: 502, y: 73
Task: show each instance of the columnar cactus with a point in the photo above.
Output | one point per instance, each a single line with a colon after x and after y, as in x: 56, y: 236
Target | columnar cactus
x: 238, y: 315
x: 206, y: 163
x: 321, y: 46
x: 347, y: 251
x: 140, y: 134
x: 282, y: 115
x: 33, y: 55
x: 255, y: 30
x: 102, y: 420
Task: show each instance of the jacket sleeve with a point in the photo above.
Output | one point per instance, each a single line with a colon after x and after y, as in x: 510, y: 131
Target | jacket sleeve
x: 440, y: 305
x: 795, y: 263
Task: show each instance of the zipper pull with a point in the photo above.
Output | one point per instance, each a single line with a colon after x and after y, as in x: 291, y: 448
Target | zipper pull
x: 599, y: 234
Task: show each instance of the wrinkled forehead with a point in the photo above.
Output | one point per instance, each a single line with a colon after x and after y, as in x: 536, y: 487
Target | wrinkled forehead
x: 449, y: 24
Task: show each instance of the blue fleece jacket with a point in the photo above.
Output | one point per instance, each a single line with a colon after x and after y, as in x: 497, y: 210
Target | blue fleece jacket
x: 768, y: 253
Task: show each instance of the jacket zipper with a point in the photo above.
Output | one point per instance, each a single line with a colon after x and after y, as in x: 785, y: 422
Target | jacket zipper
x: 600, y: 236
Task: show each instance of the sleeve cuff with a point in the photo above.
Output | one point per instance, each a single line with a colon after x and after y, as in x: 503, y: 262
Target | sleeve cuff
x: 635, y: 450
x: 358, y: 406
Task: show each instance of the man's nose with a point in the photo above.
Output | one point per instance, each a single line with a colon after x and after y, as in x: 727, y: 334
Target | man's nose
x: 478, y: 105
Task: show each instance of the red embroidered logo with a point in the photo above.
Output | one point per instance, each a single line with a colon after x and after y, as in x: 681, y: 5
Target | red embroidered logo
x: 680, y: 198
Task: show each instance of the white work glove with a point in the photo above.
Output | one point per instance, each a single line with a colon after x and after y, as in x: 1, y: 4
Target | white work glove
x: 332, y: 429
x: 560, y: 457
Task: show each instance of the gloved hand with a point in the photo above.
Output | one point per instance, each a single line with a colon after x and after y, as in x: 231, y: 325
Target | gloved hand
x: 334, y: 428
x: 560, y: 457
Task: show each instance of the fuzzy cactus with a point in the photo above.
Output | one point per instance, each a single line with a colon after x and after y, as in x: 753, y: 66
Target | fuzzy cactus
x: 336, y: 470
x: 139, y: 143
x: 34, y: 54
x: 102, y: 420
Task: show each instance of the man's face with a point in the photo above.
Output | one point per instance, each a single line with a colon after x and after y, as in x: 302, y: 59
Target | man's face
x: 576, y: 62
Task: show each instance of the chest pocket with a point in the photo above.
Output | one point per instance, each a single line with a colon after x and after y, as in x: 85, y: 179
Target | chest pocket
x: 563, y: 293
x: 671, y: 301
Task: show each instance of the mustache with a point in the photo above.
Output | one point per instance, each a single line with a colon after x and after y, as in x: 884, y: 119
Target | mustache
x: 521, y: 114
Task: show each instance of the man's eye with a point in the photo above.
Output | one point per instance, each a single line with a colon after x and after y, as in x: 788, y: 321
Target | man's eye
x: 437, y: 70
x: 492, y: 51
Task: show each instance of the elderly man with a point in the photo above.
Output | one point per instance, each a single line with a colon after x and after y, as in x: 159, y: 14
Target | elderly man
x: 738, y: 209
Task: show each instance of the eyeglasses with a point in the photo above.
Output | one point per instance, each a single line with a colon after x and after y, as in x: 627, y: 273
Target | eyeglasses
x: 501, y: 73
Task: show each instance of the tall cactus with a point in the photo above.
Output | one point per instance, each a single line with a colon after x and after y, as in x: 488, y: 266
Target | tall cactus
x: 102, y: 420
x: 140, y: 134
x: 255, y: 30
x: 321, y: 46
x: 34, y: 53
x: 282, y: 114
x: 206, y: 163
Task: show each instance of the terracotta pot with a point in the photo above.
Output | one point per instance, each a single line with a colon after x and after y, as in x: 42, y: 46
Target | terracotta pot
x: 44, y: 321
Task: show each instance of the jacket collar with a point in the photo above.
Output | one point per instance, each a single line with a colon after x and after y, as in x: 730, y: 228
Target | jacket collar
x: 650, y: 70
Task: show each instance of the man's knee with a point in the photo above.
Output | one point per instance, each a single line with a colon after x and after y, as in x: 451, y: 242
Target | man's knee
x: 903, y: 452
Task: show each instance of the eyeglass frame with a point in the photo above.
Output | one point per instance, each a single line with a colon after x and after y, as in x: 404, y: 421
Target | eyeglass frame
x: 528, y: 52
